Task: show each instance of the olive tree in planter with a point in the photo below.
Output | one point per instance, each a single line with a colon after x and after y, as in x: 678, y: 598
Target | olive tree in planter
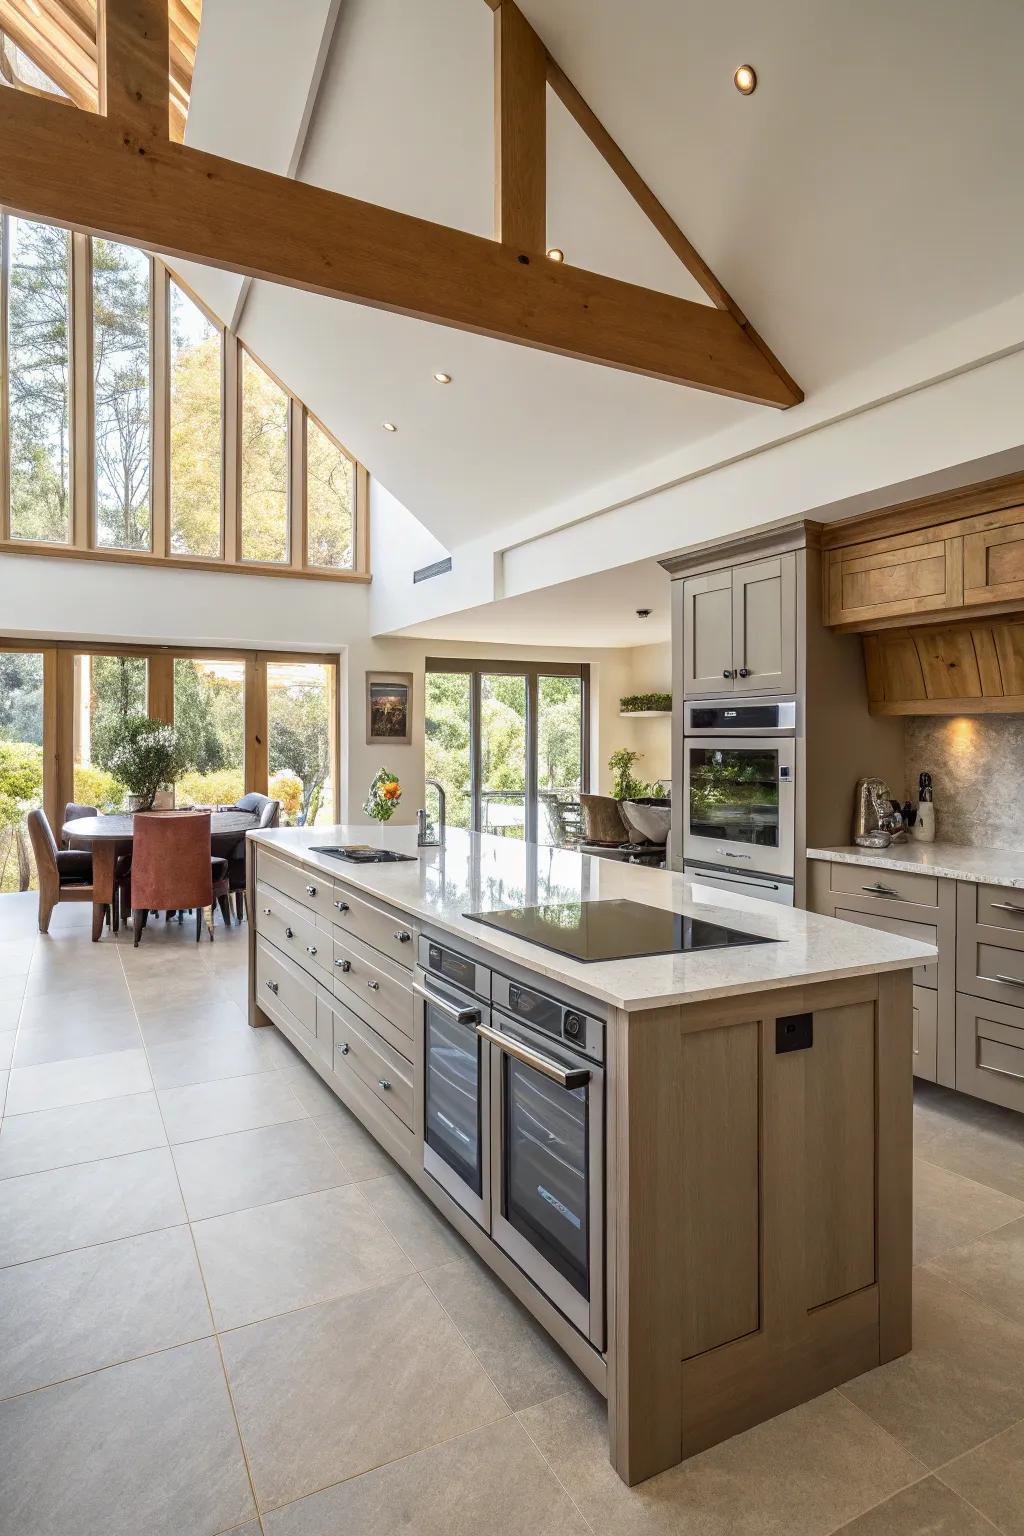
x: 149, y: 756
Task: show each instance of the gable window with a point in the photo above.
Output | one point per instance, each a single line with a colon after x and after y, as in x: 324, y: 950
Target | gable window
x: 196, y: 427
x: 264, y: 465
x: 121, y: 395
x: 330, y: 498
x: 37, y: 262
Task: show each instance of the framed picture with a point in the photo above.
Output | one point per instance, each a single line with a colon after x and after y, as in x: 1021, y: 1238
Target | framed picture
x: 389, y: 708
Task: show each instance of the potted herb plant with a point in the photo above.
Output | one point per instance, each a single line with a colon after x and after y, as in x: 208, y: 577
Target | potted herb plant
x: 149, y: 756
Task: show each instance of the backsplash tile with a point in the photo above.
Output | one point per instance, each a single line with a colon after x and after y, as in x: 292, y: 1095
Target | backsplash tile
x: 977, y: 766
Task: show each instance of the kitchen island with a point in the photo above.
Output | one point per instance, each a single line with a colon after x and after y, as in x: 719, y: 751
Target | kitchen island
x: 693, y: 1167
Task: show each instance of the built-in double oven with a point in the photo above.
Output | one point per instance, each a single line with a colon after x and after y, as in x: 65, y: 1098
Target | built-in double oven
x: 513, y: 1116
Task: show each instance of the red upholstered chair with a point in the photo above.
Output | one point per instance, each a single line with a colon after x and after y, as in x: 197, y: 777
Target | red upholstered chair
x: 173, y: 869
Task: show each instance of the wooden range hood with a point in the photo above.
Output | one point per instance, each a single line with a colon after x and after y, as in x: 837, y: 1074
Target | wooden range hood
x: 970, y: 668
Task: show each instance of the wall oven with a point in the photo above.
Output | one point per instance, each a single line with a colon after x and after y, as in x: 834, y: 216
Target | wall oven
x: 453, y: 993
x: 739, y: 768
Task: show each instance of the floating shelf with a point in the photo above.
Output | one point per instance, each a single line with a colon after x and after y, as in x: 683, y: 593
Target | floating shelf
x: 644, y: 714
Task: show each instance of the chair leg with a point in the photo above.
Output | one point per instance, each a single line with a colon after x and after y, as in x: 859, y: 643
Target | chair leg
x: 239, y: 905
x: 181, y: 917
x: 199, y: 923
x: 138, y: 923
x: 224, y: 902
x: 99, y: 913
x: 209, y: 921
x: 46, y: 906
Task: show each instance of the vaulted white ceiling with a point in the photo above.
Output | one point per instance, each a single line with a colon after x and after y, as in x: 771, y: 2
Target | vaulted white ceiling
x: 863, y: 198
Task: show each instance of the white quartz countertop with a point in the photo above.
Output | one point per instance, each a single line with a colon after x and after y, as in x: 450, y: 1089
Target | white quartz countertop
x: 480, y: 873
x: 986, y: 866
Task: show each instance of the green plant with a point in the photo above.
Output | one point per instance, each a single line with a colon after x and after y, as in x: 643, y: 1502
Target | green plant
x: 636, y: 703
x: 624, y: 785
x: 385, y: 793
x: 221, y: 786
x: 147, y: 756
x: 95, y: 786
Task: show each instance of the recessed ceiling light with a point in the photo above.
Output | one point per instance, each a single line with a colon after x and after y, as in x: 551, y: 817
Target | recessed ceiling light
x: 554, y: 254
x: 443, y: 378
x: 389, y: 426
x: 745, y: 80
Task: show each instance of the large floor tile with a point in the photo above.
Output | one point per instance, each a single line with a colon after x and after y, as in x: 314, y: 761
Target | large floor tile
x: 72, y: 1037
x: 950, y: 1210
x: 278, y: 1257
x: 7, y: 1039
x: 802, y: 1474
x: 276, y: 1162
x: 4, y: 1078
x: 492, y: 1480
x: 149, y: 1448
x: 10, y: 1013
x: 308, y: 1086
x: 76, y: 1312
x: 90, y: 1005
x: 80, y: 1133
x: 63, y: 979
x: 925, y: 1509
x: 176, y: 1026
x: 89, y: 1203
x: 991, y: 1269
x: 362, y: 1156
x: 336, y: 1389
x: 417, y: 1226
x: 232, y: 1104
x: 524, y: 1364
x: 205, y: 1061
x: 962, y: 1382
x: 80, y: 1081
x: 992, y: 1479
x: 968, y: 1136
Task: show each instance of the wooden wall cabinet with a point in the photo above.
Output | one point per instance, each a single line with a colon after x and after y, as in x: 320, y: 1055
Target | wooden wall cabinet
x: 994, y: 565
x: 915, y: 574
x: 739, y: 629
x: 975, y: 668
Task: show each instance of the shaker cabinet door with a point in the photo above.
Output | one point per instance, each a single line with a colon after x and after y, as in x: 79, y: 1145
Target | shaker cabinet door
x: 764, y: 625
x: 994, y: 564
x: 707, y: 633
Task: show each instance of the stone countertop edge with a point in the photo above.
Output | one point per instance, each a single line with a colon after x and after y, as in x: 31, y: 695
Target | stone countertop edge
x: 949, y: 861
x: 485, y: 873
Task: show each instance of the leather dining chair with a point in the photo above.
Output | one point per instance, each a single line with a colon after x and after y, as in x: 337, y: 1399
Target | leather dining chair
x: 65, y: 874
x: 122, y: 870
x: 269, y: 813
x: 173, y: 869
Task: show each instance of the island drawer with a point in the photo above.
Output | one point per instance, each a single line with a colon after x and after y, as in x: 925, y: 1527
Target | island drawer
x: 925, y: 933
x: 992, y: 906
x: 926, y: 1033
x: 293, y: 929
x: 280, y: 984
x: 389, y: 932
x: 305, y: 886
x: 885, y: 884
x: 371, y: 980
x: 359, y: 1049
x: 990, y: 1051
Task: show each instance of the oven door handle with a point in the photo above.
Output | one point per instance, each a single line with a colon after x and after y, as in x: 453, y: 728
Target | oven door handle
x: 566, y: 1077
x: 457, y: 1015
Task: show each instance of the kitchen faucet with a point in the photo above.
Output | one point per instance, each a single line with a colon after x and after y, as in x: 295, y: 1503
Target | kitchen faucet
x: 424, y: 839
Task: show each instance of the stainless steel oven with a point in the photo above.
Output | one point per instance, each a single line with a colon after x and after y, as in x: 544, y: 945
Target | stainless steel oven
x: 547, y: 1147
x: 453, y: 994
x: 738, y: 802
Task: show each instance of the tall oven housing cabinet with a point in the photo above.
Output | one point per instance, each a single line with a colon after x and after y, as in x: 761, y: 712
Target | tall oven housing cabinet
x: 753, y: 662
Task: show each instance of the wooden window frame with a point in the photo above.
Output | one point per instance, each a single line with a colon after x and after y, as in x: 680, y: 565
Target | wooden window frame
x: 59, y: 705
x: 83, y: 544
x: 475, y: 669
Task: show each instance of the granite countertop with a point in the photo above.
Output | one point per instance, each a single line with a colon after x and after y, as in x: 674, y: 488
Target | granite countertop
x: 986, y: 866
x: 478, y: 873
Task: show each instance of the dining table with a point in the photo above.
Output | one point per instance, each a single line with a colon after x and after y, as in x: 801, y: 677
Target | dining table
x: 109, y: 837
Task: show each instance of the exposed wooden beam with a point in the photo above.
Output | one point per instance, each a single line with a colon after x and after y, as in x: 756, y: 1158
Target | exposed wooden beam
x: 77, y: 169
x: 132, y: 44
x: 520, y: 132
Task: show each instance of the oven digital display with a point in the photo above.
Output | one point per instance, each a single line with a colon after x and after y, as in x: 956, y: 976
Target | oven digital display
x: 455, y: 967
x: 534, y: 1009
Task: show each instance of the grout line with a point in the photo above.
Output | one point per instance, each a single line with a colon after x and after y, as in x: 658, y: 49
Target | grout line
x: 549, y: 1464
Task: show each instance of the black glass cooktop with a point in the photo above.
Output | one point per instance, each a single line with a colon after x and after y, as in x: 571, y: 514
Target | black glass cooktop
x: 360, y: 853
x: 613, y: 930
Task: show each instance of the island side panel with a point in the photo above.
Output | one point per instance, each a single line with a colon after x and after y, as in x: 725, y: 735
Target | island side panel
x: 894, y: 1207
x: 257, y: 1018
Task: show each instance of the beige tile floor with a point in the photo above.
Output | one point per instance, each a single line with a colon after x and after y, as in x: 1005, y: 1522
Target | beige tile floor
x: 223, y: 1308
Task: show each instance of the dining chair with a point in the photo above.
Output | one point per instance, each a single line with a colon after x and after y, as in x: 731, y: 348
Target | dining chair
x: 122, y: 869
x: 269, y: 813
x: 173, y: 869
x: 65, y: 874
x: 74, y: 812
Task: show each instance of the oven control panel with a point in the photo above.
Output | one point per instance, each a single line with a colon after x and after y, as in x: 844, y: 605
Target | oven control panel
x: 561, y: 1021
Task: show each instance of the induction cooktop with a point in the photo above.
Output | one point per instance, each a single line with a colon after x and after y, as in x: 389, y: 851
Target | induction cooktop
x: 361, y: 853
x: 613, y: 930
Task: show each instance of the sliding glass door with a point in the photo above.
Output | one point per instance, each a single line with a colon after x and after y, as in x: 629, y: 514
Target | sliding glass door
x: 508, y: 744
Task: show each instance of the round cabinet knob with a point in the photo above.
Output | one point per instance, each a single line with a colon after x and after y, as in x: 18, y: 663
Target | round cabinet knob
x: 272, y: 985
x: 289, y: 934
x: 344, y: 1048
x: 403, y: 937
x: 374, y: 986
x: 744, y: 671
x: 726, y: 672
x: 310, y: 949
x: 342, y: 906
x: 310, y: 890
x: 343, y: 965
x: 266, y: 911
x: 383, y: 1084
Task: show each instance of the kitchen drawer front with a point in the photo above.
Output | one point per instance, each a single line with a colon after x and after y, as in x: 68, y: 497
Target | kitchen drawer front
x: 370, y: 980
x: 360, y: 1050
x: 293, y: 930
x: 995, y: 971
x: 926, y: 1033
x: 885, y: 884
x: 305, y: 886
x: 280, y: 981
x: 990, y: 1051
x: 924, y: 933
x: 998, y: 906
x: 389, y: 932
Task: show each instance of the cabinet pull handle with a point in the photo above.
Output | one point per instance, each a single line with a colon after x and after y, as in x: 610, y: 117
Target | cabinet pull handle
x: 289, y: 934
x: 880, y: 890
x: 344, y: 1049
x: 310, y: 890
x: 343, y: 965
x: 1007, y: 906
x: 744, y: 671
x: 402, y: 936
x: 1014, y: 981
x: 342, y: 906
x: 383, y: 1083
x: 310, y: 949
x: 273, y: 987
x: 726, y: 672
x: 374, y: 986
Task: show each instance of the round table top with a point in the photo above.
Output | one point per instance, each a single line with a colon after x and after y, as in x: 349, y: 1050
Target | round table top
x: 121, y: 828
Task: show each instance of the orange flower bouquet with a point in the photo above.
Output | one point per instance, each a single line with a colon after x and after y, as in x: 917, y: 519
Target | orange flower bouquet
x: 385, y: 793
